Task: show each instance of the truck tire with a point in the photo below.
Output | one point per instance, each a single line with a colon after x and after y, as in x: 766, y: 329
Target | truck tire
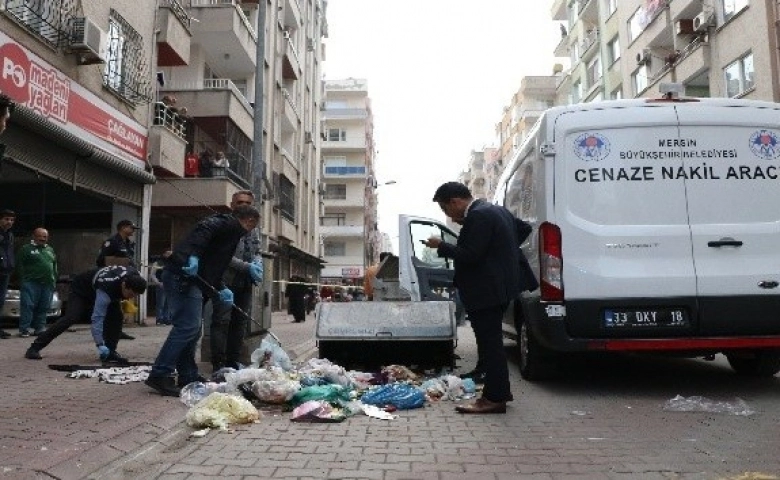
x: 761, y: 363
x: 536, y: 362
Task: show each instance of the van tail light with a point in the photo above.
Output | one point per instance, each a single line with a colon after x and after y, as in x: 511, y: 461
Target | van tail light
x: 551, y: 257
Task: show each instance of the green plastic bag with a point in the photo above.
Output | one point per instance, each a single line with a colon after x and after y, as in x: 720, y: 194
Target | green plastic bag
x: 331, y: 393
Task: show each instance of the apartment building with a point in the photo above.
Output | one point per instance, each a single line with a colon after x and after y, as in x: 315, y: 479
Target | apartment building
x: 350, y: 240
x: 206, y: 63
x: 626, y: 49
x: 76, y: 147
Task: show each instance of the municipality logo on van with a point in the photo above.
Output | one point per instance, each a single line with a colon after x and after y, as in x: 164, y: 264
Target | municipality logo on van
x: 763, y: 144
x: 591, y: 146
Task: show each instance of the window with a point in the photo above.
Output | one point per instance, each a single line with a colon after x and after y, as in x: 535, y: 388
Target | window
x: 594, y: 71
x: 335, y: 160
x: 635, y: 24
x: 611, y: 7
x: 740, y: 76
x: 335, y: 192
x: 334, y: 104
x: 616, y: 94
x: 613, y: 50
x: 337, y: 135
x: 575, y: 53
x: 335, y: 249
x: 286, y: 198
x: 733, y: 7
x: 639, y: 78
x: 334, y: 220
x: 576, y: 92
x: 126, y: 72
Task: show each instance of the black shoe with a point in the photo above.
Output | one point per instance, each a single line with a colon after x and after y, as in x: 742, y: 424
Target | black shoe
x: 33, y: 354
x: 4, y: 334
x: 199, y: 378
x: 124, y: 336
x: 165, y: 386
x: 116, y: 359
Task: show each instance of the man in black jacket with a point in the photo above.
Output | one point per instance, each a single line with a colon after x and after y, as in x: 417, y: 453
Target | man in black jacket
x: 195, y: 268
x: 96, y: 295
x: 488, y: 275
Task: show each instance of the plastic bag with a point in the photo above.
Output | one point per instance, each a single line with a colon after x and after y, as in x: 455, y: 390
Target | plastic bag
x: 275, y: 391
x: 401, y: 395
x: 329, y: 393
x: 219, y: 410
x: 194, y: 392
x: 316, y: 411
x: 703, y: 404
x: 271, y: 353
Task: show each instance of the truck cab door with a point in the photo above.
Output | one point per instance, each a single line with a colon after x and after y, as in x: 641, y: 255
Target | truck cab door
x: 425, y: 275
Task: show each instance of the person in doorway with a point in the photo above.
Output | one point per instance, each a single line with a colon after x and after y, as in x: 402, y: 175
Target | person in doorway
x: 221, y: 160
x: 488, y: 275
x: 7, y: 261
x: 193, y: 275
x: 296, y: 298
x: 96, y: 296
x: 191, y: 165
x: 119, y: 249
x: 228, y: 325
x: 162, y: 312
x: 370, y: 277
x: 36, y: 268
x: 206, y: 164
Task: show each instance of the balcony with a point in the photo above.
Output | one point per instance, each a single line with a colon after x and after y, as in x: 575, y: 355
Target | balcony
x: 291, y: 64
x: 341, y: 231
x: 680, y: 9
x: 562, y: 49
x: 218, y: 97
x: 345, y: 172
x: 167, y: 149
x: 559, y: 10
x: 225, y: 35
x: 694, y: 60
x: 341, y: 204
x: 354, y: 143
x: 214, y: 192
x: 345, y: 114
x: 292, y: 14
x: 589, y: 46
x: 174, y: 39
x: 659, y: 32
x: 589, y: 11
x: 291, y: 116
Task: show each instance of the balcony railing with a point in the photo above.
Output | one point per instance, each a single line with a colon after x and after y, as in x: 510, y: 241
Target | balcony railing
x: 52, y: 25
x: 289, y: 99
x: 170, y: 119
x: 226, y: 84
x: 178, y: 9
x: 345, y: 170
x: 236, y: 4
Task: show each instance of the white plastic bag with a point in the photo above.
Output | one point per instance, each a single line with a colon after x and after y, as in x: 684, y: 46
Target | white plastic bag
x: 270, y: 353
x: 219, y: 410
x: 275, y: 391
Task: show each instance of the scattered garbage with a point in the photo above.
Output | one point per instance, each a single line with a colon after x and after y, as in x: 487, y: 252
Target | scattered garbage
x: 200, y: 433
x: 270, y: 353
x: 331, y: 393
x: 703, y: 404
x: 194, y: 392
x: 376, y: 412
x: 401, y: 395
x: 317, y: 411
x: 218, y: 410
x: 115, y: 375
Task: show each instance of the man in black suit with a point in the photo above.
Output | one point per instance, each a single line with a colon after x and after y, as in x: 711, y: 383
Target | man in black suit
x: 489, y: 273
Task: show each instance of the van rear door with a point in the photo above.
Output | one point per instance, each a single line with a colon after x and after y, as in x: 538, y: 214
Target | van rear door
x: 732, y: 154
x: 627, y: 262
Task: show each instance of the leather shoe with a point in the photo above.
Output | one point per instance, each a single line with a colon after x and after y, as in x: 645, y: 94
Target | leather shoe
x: 165, y: 386
x: 124, y: 336
x: 482, y: 405
x: 32, y: 354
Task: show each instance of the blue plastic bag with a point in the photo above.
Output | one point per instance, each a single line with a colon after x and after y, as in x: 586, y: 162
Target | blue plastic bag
x: 401, y: 395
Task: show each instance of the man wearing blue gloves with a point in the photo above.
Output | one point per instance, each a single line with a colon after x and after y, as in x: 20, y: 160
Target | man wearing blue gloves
x: 228, y: 325
x: 195, y: 268
x: 96, y: 295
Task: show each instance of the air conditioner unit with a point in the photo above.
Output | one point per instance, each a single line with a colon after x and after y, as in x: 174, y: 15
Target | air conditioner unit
x: 701, y: 22
x: 88, y: 40
x: 643, y: 57
x: 684, y: 26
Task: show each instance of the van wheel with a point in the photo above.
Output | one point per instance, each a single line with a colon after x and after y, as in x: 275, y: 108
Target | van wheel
x: 761, y: 363
x: 536, y: 362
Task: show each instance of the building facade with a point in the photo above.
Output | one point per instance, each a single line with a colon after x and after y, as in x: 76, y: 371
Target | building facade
x: 350, y: 240
x: 206, y: 109
x: 76, y: 158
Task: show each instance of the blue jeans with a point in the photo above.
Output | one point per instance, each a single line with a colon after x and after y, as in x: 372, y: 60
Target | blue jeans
x: 163, y: 313
x: 185, y: 303
x: 34, y: 303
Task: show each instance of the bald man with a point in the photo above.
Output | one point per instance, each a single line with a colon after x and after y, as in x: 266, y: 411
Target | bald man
x: 36, y: 266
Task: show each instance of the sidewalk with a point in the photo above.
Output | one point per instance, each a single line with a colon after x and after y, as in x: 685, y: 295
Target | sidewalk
x: 64, y: 428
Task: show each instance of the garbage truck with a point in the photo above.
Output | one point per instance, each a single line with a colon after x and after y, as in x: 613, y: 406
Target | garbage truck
x: 411, y: 320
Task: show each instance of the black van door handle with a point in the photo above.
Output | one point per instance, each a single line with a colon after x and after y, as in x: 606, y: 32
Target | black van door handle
x: 725, y: 242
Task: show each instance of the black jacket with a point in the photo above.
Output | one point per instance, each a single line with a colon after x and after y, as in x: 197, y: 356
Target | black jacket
x: 490, y: 268
x: 7, y: 261
x: 116, y: 246
x: 213, y: 241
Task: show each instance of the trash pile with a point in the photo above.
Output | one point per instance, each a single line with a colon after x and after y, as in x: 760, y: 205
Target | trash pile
x: 315, y: 391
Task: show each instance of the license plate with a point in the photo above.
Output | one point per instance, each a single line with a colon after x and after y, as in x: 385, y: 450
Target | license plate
x: 646, y: 318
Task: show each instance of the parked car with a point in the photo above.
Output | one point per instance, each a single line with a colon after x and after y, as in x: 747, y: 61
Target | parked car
x: 12, y: 307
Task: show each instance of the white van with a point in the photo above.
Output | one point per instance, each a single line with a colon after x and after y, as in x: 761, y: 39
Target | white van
x: 656, y: 229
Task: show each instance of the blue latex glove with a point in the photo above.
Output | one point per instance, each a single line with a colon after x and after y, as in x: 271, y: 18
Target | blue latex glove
x: 256, y: 271
x: 103, y: 352
x: 226, y: 296
x: 191, y: 268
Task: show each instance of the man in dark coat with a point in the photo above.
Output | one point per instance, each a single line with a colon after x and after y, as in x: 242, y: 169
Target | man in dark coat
x: 193, y: 274
x: 296, y: 296
x: 488, y: 275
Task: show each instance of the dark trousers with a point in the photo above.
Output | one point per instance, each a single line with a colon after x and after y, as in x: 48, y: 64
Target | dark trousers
x: 228, y: 328
x: 80, y: 310
x: 490, y: 349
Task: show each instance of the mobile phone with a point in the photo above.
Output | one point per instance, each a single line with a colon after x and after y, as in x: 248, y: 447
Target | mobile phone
x: 423, y: 241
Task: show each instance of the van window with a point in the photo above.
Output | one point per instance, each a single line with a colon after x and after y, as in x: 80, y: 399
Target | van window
x: 520, y: 200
